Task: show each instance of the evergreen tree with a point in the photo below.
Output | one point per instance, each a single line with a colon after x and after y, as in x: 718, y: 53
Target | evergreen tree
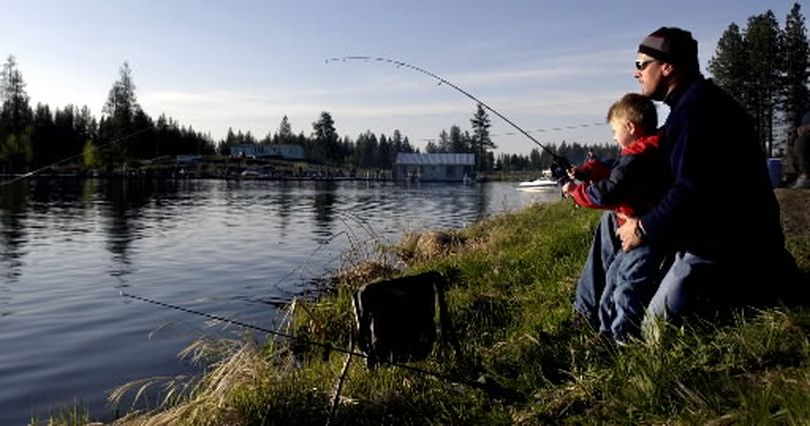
x: 384, y: 153
x: 16, y: 118
x: 284, y: 135
x: 44, y: 134
x: 248, y: 138
x: 444, y: 144
x: 534, y: 159
x: 144, y: 143
x: 796, y: 96
x: 121, y: 110
x: 431, y: 147
x: 481, y: 142
x: 325, y: 140
x: 406, y: 146
x: 86, y: 126
x: 368, y: 150
x: 399, y: 144
x: 729, y: 66
x: 224, y: 147
x: 762, y: 39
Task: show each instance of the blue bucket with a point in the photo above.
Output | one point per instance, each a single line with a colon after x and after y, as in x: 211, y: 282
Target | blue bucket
x: 775, y: 171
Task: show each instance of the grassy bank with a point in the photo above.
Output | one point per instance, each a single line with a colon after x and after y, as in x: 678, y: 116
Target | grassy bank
x: 511, y: 279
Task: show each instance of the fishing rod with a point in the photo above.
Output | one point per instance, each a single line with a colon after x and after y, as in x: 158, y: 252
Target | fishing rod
x: 443, y: 80
x: 486, y: 384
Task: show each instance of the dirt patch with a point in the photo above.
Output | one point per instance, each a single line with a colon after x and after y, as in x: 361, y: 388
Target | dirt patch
x: 795, y: 208
x: 417, y: 247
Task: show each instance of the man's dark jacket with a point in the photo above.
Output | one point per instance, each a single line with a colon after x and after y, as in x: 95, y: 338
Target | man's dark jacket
x: 721, y: 204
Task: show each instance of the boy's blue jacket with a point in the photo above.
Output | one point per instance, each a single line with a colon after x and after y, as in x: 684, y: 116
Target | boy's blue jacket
x: 632, y: 186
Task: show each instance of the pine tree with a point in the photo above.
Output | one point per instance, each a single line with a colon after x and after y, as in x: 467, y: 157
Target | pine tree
x: 481, y: 142
x: 458, y: 142
x: 325, y: 140
x: 762, y: 39
x: 121, y: 110
x: 122, y: 103
x: 796, y: 96
x: 16, y: 118
x: 285, y: 134
x: 43, y: 146
x: 729, y: 66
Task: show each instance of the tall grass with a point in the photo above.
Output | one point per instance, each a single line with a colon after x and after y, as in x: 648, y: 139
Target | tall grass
x: 511, y: 280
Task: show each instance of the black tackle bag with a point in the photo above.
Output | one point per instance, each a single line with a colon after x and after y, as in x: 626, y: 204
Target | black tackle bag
x: 396, y: 318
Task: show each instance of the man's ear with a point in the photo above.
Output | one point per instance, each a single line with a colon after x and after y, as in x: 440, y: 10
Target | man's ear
x: 667, y: 69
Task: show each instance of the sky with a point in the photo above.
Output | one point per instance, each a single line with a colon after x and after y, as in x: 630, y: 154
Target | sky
x: 551, y: 67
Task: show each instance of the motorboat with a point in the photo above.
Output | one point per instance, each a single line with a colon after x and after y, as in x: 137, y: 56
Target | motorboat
x: 539, y: 183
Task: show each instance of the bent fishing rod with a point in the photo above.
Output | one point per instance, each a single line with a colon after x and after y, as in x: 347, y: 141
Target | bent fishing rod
x: 447, y: 82
x: 486, y: 385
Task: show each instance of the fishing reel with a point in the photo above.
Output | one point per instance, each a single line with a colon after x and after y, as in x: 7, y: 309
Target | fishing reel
x: 559, y: 170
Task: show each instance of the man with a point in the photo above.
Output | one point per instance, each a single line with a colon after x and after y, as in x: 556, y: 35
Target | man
x: 720, y: 214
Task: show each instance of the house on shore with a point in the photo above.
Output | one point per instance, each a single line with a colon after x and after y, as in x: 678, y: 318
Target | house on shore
x: 286, y: 152
x: 434, y: 167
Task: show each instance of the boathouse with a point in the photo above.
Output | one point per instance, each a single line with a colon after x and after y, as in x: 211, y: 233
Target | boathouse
x: 434, y: 167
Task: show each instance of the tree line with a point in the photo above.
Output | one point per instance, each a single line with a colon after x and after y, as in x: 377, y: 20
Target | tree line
x: 31, y: 138
x: 766, y: 69
x: 72, y: 137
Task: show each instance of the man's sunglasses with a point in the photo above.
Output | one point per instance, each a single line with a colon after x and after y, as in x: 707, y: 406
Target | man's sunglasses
x: 640, y: 65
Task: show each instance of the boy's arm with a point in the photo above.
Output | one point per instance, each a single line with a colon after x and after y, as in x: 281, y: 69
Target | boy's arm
x: 618, y: 188
x: 591, y: 170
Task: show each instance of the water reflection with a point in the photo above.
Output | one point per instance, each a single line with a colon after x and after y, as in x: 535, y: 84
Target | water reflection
x: 284, y: 201
x: 13, y: 233
x: 324, y: 201
x: 124, y: 201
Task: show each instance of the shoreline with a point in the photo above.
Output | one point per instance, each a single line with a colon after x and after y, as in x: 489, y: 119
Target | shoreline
x: 511, y: 277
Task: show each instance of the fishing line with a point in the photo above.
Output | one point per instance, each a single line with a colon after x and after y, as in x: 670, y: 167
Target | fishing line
x: 548, y: 129
x: 486, y: 385
x: 102, y: 146
x: 443, y: 80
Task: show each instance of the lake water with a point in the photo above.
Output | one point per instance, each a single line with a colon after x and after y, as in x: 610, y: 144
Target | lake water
x: 229, y: 248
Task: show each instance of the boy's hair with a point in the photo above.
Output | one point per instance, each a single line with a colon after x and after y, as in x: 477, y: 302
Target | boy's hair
x: 637, y: 109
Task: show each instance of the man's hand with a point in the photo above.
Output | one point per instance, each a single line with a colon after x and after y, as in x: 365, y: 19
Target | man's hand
x: 630, y: 233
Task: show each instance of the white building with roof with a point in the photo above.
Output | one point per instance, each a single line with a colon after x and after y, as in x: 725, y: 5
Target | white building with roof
x: 445, y: 167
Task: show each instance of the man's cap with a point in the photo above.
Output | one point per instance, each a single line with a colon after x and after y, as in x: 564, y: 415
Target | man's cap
x: 671, y: 45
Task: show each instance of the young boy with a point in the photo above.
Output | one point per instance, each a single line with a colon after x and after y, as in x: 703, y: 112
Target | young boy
x: 634, y: 184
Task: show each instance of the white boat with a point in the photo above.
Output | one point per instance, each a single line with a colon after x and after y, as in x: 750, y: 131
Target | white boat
x: 539, y: 183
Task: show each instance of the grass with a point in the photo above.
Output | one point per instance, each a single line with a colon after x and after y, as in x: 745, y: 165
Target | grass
x: 512, y: 280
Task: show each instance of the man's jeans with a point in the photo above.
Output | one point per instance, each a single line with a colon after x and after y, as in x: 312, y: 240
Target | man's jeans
x: 683, y: 290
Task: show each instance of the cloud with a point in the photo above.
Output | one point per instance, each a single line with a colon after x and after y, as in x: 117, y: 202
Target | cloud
x: 562, y: 91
